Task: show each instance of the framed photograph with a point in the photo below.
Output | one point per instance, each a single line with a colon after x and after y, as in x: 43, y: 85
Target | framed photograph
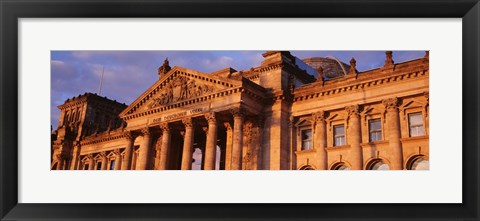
x: 239, y: 110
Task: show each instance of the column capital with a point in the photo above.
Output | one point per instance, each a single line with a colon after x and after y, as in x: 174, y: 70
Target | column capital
x: 237, y: 113
x: 391, y: 104
x: 90, y: 156
x: 145, y: 131
x: 318, y: 117
x: 228, y: 126
x: 291, y: 120
x: 129, y: 135
x: 61, y: 156
x: 187, y: 121
x: 426, y: 94
x: 117, y: 152
x: 211, y: 117
x: 103, y: 154
x: 353, y: 110
x: 165, y: 127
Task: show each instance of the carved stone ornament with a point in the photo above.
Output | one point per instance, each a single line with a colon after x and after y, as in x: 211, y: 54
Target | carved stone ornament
x: 177, y: 89
x: 228, y: 126
x: 318, y: 117
x: 353, y: 66
x: 165, y: 127
x: 162, y: 70
x: 117, y: 152
x: 211, y: 117
x: 103, y: 154
x: 320, y: 74
x: 205, y: 129
x: 145, y: 131
x: 388, y: 58
x: 60, y: 156
x: 291, y: 120
x: 391, y: 103
x: 353, y: 110
x: 187, y: 122
x: 128, y: 135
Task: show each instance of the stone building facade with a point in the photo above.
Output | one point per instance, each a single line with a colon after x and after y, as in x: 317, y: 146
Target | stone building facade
x: 276, y: 116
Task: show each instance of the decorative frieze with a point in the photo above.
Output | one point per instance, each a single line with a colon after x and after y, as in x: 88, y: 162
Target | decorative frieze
x: 179, y: 88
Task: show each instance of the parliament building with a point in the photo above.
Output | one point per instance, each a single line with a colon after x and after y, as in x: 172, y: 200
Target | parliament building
x: 286, y: 114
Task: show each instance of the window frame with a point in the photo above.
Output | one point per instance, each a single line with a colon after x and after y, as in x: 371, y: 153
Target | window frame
x: 422, y: 125
x: 380, y: 131
x: 302, y: 140
x: 335, y: 135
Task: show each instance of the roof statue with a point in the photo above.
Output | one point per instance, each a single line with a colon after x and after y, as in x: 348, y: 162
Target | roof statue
x: 162, y: 70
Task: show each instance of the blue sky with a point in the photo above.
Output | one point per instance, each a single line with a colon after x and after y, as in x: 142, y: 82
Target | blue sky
x: 127, y: 74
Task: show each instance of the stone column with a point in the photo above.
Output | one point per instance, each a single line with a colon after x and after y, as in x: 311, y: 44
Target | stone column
x: 91, y: 165
x: 237, y: 145
x: 127, y: 159
x: 228, y: 148
x: 354, y: 137
x: 144, y: 150
x: 211, y: 143
x: 61, y: 161
x: 187, y: 144
x: 320, y: 139
x: 104, y: 160
x: 166, y: 137
x: 75, y: 156
x: 393, y: 127
x: 118, y: 159
x: 257, y: 141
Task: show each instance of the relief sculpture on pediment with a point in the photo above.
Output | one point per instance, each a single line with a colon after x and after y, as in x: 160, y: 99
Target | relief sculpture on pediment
x: 180, y: 88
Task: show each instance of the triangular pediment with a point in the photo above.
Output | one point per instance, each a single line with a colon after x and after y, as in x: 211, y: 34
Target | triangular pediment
x: 179, y: 84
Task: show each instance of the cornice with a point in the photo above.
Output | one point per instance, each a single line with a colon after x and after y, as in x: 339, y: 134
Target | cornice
x: 311, y: 91
x: 100, y: 138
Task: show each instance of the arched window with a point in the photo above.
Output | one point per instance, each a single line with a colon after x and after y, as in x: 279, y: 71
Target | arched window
x: 78, y: 115
x: 197, y: 159
x: 418, y: 162
x: 67, y: 118
x: 340, y: 166
x: 377, y: 164
x: 307, y: 167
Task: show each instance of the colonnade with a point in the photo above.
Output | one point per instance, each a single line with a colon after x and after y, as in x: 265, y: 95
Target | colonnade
x: 211, y: 131
x: 354, y: 136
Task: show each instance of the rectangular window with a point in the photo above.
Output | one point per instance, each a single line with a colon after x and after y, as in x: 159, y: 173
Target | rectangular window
x: 112, y: 164
x: 99, y: 165
x: 339, y: 135
x: 307, y: 139
x: 375, y: 129
x: 415, y: 122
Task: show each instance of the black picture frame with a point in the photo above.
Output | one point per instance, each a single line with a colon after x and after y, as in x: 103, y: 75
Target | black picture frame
x: 12, y: 10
